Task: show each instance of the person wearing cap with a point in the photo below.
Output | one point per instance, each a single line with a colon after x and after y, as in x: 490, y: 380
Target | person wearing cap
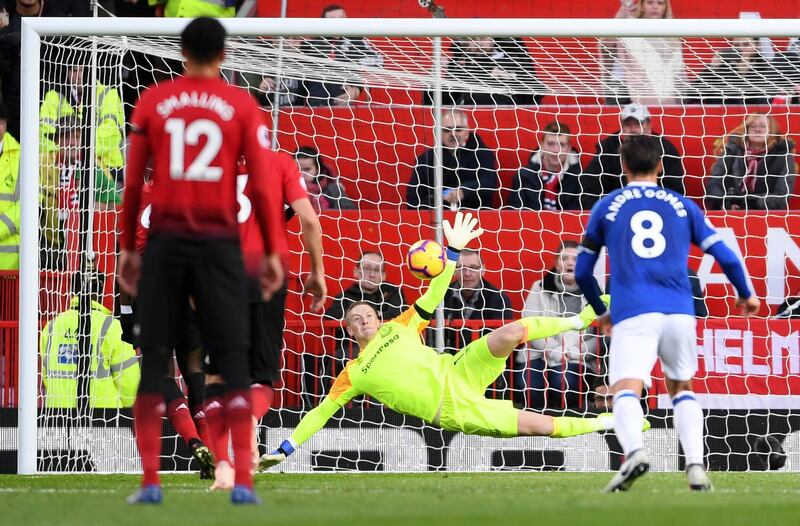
x: 604, y: 173
x: 114, y: 366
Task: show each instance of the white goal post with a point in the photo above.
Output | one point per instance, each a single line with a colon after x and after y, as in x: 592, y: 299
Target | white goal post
x: 37, y: 30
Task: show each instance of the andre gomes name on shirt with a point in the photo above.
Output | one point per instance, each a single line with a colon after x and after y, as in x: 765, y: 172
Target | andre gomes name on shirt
x: 631, y: 194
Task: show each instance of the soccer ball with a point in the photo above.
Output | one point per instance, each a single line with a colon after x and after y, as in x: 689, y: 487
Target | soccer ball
x: 426, y: 259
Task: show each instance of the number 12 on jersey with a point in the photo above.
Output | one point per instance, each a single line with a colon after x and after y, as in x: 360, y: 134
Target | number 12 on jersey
x: 180, y: 136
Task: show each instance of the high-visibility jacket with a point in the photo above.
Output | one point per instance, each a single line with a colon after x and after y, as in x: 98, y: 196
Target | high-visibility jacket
x: 196, y: 8
x: 9, y: 204
x: 109, y: 140
x: 114, y: 366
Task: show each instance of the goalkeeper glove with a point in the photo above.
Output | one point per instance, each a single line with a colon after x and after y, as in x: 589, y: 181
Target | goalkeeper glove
x: 462, y: 231
x: 277, y: 456
x: 587, y: 315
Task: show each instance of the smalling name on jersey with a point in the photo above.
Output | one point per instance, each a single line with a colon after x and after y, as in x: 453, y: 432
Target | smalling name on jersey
x: 196, y: 100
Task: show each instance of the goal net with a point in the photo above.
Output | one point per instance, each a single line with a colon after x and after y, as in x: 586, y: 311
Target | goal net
x: 530, y: 122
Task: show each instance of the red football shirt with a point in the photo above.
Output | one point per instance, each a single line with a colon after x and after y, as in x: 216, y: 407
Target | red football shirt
x: 292, y: 188
x: 143, y: 218
x: 195, y: 130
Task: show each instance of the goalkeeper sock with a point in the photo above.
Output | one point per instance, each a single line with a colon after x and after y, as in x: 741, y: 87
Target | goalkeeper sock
x: 688, y: 419
x: 260, y: 399
x: 180, y: 418
x: 147, y: 421
x: 569, y: 426
x: 240, y: 421
x: 217, y: 430
x: 538, y: 327
x: 628, y: 418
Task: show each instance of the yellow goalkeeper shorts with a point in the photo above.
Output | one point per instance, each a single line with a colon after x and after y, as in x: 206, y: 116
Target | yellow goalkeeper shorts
x: 464, y: 407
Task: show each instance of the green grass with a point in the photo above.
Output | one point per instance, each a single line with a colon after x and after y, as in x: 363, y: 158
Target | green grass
x: 538, y: 499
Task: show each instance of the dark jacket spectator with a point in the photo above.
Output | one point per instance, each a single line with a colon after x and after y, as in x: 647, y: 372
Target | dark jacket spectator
x: 494, y: 62
x: 469, y: 175
x: 604, y: 173
x: 324, y: 189
x: 343, y: 50
x: 388, y: 300
x: 738, y: 75
x: 551, y: 179
x: 755, y: 171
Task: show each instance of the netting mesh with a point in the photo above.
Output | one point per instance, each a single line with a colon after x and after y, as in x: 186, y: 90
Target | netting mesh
x: 361, y: 111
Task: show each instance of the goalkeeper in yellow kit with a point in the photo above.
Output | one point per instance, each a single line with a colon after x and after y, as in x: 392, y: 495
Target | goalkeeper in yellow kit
x: 396, y: 368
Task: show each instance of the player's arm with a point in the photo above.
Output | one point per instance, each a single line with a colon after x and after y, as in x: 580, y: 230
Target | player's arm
x: 707, y: 238
x: 458, y: 235
x: 312, y: 241
x: 138, y: 156
x: 342, y: 392
x: 588, y: 253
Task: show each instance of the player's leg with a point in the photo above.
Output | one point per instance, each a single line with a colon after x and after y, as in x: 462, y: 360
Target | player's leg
x: 679, y: 361
x: 189, y: 354
x: 162, y: 294
x: 221, y: 292
x: 633, y: 353
x: 266, y: 343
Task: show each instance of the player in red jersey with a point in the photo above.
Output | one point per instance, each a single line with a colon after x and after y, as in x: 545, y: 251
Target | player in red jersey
x: 267, y: 317
x: 195, y: 129
x: 186, y: 415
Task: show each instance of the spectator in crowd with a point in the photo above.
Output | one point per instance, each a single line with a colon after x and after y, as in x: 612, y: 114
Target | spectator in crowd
x: 67, y: 98
x: 341, y: 49
x: 738, y: 74
x: 18, y: 9
x: 755, y: 169
x: 262, y: 87
x: 324, y: 190
x: 604, y: 173
x: 9, y: 196
x: 788, y: 63
x: 493, y: 62
x: 551, y: 368
x: 471, y: 297
x: 114, y: 366
x: 647, y: 70
x: 370, y: 286
x: 469, y: 175
x: 551, y: 179
x: 194, y: 8
x: 59, y: 197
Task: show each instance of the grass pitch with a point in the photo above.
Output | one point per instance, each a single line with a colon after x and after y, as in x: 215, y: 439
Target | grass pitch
x: 439, y: 499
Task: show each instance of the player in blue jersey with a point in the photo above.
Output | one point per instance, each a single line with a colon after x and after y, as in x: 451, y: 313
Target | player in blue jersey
x: 648, y: 231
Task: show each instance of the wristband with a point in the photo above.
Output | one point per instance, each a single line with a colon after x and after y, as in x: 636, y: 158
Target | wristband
x: 453, y: 253
x: 287, y: 447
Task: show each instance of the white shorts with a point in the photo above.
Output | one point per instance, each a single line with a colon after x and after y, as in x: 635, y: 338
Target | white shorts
x: 636, y: 343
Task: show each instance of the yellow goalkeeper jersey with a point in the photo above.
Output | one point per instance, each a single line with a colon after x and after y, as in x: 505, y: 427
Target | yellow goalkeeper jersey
x: 397, y: 369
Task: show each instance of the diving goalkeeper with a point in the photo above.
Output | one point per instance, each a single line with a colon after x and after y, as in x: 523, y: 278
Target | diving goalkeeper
x: 394, y: 367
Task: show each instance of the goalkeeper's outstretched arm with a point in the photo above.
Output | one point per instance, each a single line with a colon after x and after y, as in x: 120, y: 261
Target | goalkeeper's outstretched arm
x: 458, y: 235
x: 342, y: 392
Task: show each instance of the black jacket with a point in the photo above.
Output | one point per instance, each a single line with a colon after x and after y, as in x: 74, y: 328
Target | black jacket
x: 489, y: 304
x: 604, y: 173
x: 526, y: 188
x: 509, y: 55
x: 472, y: 168
x: 773, y: 185
x: 725, y: 84
x: 353, y: 50
x: 388, y: 300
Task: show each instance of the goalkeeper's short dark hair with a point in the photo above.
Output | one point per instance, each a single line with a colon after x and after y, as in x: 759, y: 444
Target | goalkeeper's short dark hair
x: 641, y: 153
x: 203, y: 40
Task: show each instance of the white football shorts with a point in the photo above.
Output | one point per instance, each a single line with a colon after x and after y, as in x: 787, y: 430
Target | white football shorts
x: 636, y: 343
